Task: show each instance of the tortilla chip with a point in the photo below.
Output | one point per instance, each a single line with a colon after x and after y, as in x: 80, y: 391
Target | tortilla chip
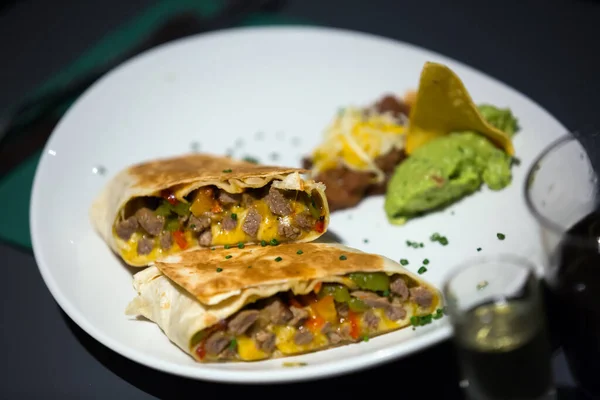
x: 443, y: 105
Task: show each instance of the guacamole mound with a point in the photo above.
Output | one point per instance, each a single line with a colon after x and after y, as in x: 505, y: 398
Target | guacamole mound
x: 448, y: 168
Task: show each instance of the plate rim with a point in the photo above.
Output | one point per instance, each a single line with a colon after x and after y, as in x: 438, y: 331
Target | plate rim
x: 195, y: 371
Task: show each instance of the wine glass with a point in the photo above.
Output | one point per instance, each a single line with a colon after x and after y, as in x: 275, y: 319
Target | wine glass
x: 561, y: 191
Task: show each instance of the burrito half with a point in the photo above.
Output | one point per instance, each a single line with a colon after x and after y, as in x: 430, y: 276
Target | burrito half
x: 267, y: 302
x: 162, y: 207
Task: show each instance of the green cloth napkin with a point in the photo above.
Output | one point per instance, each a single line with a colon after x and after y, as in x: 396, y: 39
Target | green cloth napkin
x: 15, y: 187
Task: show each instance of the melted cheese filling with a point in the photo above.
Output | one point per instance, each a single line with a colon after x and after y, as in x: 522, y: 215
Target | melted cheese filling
x: 285, y: 344
x: 267, y: 231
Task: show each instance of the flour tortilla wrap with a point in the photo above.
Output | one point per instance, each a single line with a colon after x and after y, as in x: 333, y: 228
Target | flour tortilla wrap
x: 196, y: 298
x: 170, y: 187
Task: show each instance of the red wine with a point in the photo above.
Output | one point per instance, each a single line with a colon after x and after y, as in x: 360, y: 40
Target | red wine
x: 572, y: 292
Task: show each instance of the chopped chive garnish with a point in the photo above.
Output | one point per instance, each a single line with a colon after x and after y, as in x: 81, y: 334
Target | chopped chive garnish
x: 228, y: 256
x: 365, y: 338
x: 251, y: 160
x: 414, y: 245
x: 219, y: 269
x: 274, y: 242
x: 263, y: 243
x: 249, y: 266
x: 501, y: 236
x: 240, y: 245
x: 426, y: 261
x: 234, y: 216
x: 386, y: 293
x: 404, y: 261
x: 422, y: 270
x: 421, y: 320
x: 278, y: 259
x: 226, y: 170
x: 365, y: 240
x: 479, y: 249
x: 233, y: 344
x: 436, y: 237
x: 227, y: 246
x: 213, y: 248
x: 343, y: 257
x: 192, y: 226
x: 299, y: 252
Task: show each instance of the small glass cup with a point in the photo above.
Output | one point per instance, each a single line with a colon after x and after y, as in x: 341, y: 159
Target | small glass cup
x: 561, y: 192
x: 496, y: 310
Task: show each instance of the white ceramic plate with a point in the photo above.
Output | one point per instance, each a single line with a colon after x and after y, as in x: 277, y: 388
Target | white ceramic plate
x: 263, y: 92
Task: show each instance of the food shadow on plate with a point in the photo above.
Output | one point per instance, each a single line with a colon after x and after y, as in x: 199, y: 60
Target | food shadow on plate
x: 416, y: 372
x: 329, y: 237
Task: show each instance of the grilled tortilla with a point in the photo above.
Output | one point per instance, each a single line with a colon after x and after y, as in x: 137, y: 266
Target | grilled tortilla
x: 258, y: 302
x: 161, y: 207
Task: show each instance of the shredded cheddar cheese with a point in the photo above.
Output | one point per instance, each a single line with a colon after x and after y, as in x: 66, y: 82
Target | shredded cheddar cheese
x: 355, y: 138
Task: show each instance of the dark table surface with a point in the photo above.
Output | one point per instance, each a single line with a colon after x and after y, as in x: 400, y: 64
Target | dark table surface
x: 547, y: 49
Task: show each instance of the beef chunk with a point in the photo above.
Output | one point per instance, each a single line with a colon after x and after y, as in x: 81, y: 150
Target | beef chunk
x: 288, y: 231
x: 228, y: 223
x: 145, y: 246
x: 342, y: 309
x: 152, y: 223
x: 199, y: 224
x: 248, y: 199
x: 127, y: 228
x: 299, y: 316
x: 229, y: 198
x: 166, y: 240
x: 251, y: 222
x: 205, y: 238
x: 303, y: 337
x: 305, y: 221
x: 371, y: 299
x: 277, y: 312
x: 395, y: 312
x: 371, y: 320
x: 421, y: 296
x: 278, y: 203
x: 230, y: 352
x: 399, y: 288
x: 344, y: 332
x: 327, y: 328
x: 239, y: 324
x: 334, y: 337
x: 265, y: 341
x: 216, y: 343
